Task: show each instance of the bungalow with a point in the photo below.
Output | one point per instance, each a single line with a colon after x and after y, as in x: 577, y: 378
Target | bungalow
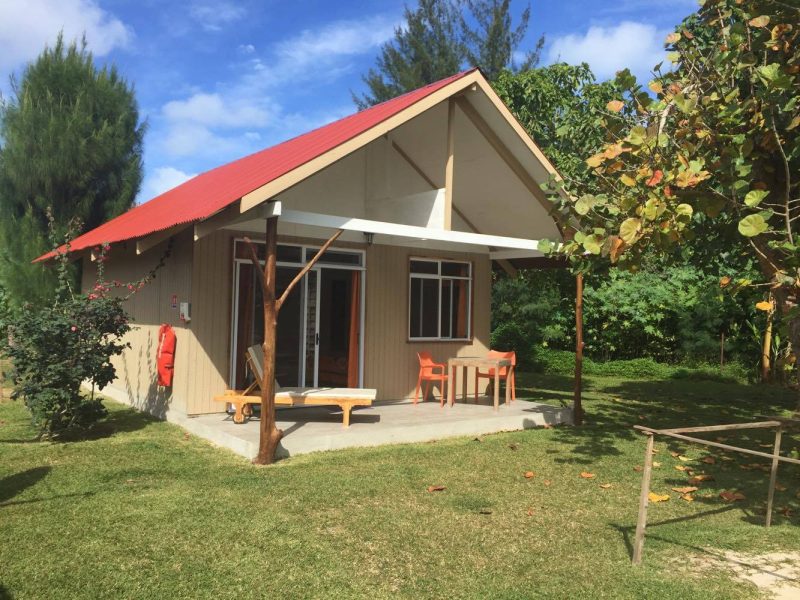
x: 431, y: 189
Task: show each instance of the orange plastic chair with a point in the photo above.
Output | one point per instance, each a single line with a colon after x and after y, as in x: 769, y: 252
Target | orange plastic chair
x: 428, y: 373
x: 506, y: 373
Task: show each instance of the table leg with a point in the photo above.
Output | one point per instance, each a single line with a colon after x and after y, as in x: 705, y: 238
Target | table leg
x: 508, y: 387
x: 451, y: 388
x: 464, y: 370
x: 496, y: 387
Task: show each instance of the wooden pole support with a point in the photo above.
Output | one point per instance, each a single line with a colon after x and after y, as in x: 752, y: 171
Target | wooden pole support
x: 773, y: 475
x: 577, y: 404
x: 641, y: 521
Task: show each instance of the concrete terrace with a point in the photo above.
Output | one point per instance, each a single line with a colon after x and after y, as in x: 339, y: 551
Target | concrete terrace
x: 315, y: 429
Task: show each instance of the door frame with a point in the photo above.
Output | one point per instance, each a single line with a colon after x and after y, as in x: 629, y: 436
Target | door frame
x: 317, y: 268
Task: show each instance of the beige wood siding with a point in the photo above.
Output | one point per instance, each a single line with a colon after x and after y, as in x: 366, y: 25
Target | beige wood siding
x: 149, y: 308
x: 212, y: 292
x: 390, y: 360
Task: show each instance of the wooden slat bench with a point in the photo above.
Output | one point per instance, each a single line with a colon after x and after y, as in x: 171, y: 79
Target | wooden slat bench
x: 242, y: 400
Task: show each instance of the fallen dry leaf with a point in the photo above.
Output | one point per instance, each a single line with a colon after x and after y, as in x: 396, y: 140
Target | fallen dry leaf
x: 637, y: 468
x: 710, y: 460
x: 687, y: 497
x: 436, y: 488
x: 684, y: 490
x: 477, y: 439
x: 513, y: 446
x: 765, y: 445
x: 787, y: 512
x: 779, y: 487
x: 674, y: 454
x: 654, y: 451
x: 485, y: 511
x: 586, y: 475
x: 530, y: 512
x: 731, y: 496
x: 605, y: 486
x: 681, y: 468
x: 656, y: 463
x: 186, y: 435
x: 653, y: 497
x: 700, y: 478
x: 546, y: 482
x: 547, y: 426
x: 529, y: 474
x: 684, y: 458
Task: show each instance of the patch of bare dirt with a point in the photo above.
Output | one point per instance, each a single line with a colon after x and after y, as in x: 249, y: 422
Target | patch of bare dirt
x: 777, y: 574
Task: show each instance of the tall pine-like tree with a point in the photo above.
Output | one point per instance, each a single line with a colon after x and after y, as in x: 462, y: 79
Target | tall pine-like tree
x: 439, y: 38
x: 491, y: 42
x: 425, y: 50
x: 71, y: 142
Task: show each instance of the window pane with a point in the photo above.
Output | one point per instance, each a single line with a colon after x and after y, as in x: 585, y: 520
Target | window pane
x: 335, y: 257
x: 414, y: 324
x: 430, y: 304
x: 446, y: 308
x: 241, y: 250
x: 293, y: 254
x: 460, y: 314
x: 425, y: 266
x: 455, y: 269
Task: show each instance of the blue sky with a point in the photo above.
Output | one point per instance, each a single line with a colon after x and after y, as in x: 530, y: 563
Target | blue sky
x: 218, y: 79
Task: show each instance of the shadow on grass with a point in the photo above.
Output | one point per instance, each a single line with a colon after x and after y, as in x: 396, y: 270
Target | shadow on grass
x: 18, y: 482
x: 4, y: 593
x: 118, y: 421
x: 613, y: 406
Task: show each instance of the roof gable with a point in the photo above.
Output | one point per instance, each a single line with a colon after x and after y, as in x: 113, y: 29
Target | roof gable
x: 207, y: 193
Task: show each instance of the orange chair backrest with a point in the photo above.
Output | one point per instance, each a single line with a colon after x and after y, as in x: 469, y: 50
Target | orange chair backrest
x: 499, y: 354
x: 426, y: 362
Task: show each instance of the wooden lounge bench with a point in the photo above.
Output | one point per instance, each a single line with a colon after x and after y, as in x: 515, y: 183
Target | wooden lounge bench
x: 242, y: 400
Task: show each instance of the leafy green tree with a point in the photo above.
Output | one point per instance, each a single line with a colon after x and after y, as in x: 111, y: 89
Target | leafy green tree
x: 70, y: 141
x: 717, y: 145
x: 425, y: 50
x: 562, y: 107
x: 492, y: 42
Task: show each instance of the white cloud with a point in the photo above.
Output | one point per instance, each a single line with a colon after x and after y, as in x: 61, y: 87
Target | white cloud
x: 243, y: 115
x: 161, y: 180
x: 315, y: 53
x: 246, y: 48
x: 212, y: 109
x: 27, y: 25
x: 213, y: 16
x: 637, y: 46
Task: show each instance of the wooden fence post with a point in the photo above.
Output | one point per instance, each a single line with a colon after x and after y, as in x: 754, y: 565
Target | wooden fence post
x: 773, y: 475
x: 641, y: 522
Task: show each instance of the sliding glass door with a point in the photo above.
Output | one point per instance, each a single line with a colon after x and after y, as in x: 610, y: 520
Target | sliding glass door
x: 320, y: 326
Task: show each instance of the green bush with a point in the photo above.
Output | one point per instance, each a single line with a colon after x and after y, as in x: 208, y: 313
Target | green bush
x: 562, y: 362
x: 55, y: 348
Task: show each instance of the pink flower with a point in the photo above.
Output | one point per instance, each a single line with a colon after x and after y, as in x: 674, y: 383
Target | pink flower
x: 73, y: 328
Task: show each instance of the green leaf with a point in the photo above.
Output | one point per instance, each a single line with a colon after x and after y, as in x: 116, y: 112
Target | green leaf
x: 752, y: 225
x: 630, y: 229
x: 545, y: 246
x: 773, y: 76
x: 637, y: 135
x: 584, y: 204
x: 684, y: 210
x: 592, y: 245
x: 754, y: 197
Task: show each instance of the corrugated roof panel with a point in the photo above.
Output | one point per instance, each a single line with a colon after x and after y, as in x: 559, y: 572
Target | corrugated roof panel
x: 210, y: 192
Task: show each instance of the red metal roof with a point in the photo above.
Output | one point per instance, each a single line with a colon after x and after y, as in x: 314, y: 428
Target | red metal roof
x: 210, y: 192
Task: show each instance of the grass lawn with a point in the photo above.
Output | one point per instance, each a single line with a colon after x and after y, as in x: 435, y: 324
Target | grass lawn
x: 142, y: 510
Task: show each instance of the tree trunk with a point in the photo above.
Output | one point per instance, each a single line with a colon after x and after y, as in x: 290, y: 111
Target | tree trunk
x: 766, y: 349
x: 577, y: 407
x: 270, y: 435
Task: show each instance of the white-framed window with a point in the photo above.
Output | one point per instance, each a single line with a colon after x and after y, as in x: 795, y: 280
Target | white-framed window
x: 439, y: 299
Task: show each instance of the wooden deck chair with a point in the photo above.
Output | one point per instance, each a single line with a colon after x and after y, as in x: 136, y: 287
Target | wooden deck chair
x: 345, y: 398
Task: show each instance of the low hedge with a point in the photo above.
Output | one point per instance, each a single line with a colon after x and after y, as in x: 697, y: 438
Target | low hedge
x: 562, y: 362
